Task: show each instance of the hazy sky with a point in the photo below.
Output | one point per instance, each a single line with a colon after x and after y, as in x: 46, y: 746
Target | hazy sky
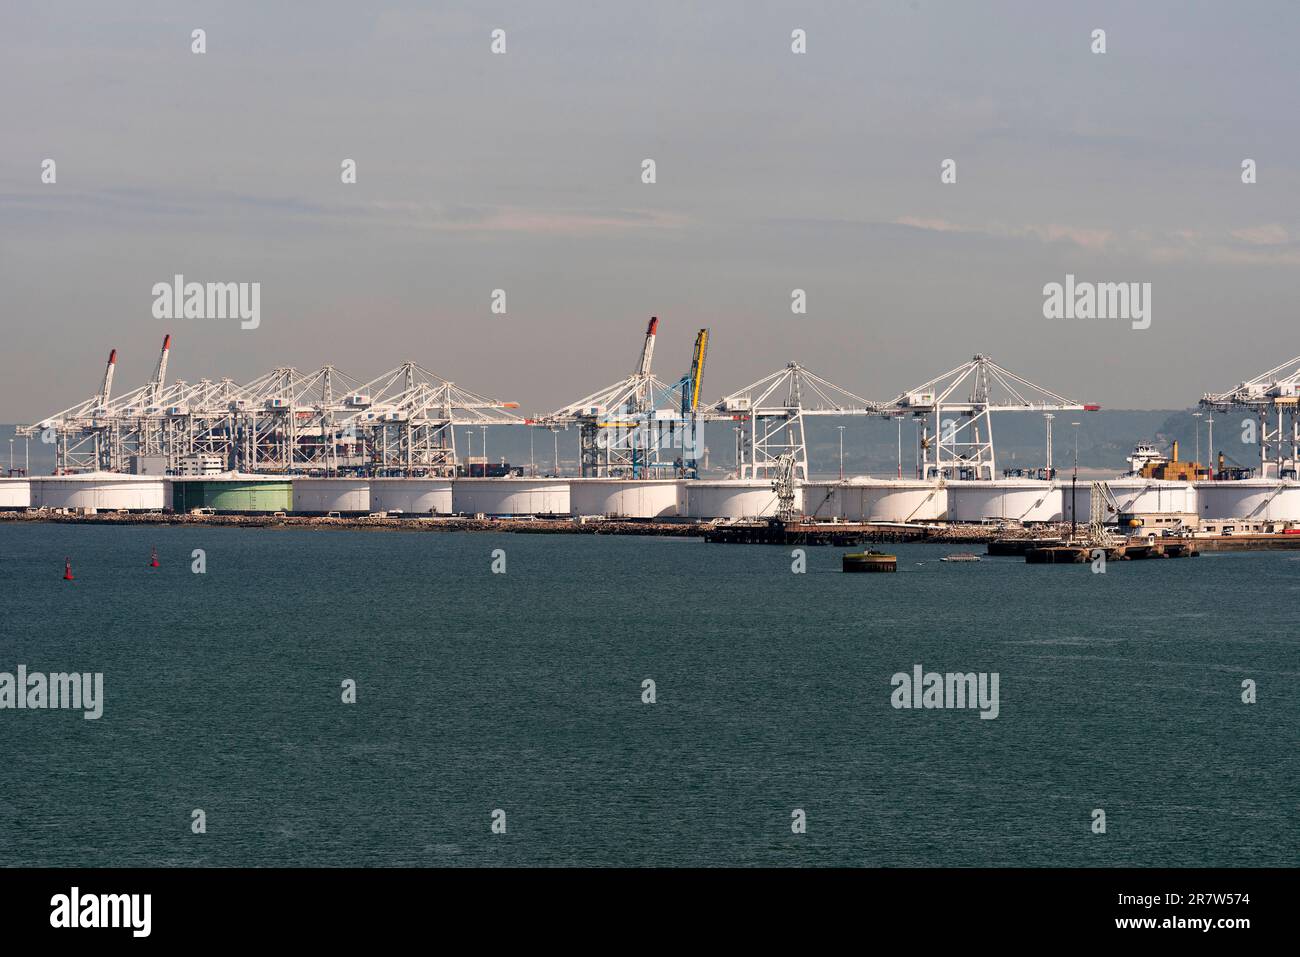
x: 775, y: 171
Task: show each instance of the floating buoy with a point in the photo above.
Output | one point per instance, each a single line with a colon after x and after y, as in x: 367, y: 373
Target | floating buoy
x: 869, y: 561
x: 153, y: 557
x: 67, y: 569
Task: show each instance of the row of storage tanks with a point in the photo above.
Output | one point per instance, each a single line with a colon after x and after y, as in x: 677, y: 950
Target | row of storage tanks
x: 860, y: 500
x: 612, y: 498
x: 1025, y: 500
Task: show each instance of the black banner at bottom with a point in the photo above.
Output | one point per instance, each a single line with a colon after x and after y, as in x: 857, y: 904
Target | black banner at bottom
x: 337, y: 906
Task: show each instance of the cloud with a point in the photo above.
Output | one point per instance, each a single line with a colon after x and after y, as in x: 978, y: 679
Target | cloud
x: 1270, y: 234
x: 1266, y: 244
x: 118, y: 207
x: 1049, y: 233
x: 518, y: 219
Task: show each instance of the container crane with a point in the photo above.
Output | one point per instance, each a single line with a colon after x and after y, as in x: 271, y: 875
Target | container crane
x: 962, y: 440
x: 1272, y: 397
x: 619, y: 425
x: 770, y: 413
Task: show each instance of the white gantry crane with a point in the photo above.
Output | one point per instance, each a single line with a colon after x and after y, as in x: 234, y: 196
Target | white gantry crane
x: 97, y: 434
x: 641, y: 426
x: 962, y: 401
x: 404, y: 422
x: 769, y: 414
x: 324, y: 422
x: 1272, y: 398
x: 320, y: 422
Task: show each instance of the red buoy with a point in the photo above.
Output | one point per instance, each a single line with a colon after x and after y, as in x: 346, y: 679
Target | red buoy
x: 153, y: 558
x: 67, y: 569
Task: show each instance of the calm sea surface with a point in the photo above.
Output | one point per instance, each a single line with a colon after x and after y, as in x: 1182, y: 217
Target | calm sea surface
x: 522, y: 691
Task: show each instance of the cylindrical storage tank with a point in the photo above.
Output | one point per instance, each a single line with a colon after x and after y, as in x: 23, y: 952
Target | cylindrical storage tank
x: 733, y: 498
x: 320, y: 496
x: 1259, y: 500
x: 824, y: 501
x: 411, y: 496
x: 623, y: 498
x: 903, y: 501
x: 1133, y: 496
x: 510, y: 496
x: 102, y: 491
x: 15, y: 493
x: 1014, y: 501
x: 232, y: 494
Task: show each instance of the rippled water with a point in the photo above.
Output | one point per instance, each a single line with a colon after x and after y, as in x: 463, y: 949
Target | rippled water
x: 523, y: 691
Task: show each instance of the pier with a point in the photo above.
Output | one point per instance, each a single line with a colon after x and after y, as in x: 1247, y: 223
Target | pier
x: 1130, y: 550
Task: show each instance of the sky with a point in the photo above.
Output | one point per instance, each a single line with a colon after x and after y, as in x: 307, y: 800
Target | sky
x: 775, y: 171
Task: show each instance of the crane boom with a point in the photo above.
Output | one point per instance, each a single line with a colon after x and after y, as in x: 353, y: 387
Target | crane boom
x: 160, y: 373
x: 691, y: 388
x: 106, y: 388
x: 648, y: 348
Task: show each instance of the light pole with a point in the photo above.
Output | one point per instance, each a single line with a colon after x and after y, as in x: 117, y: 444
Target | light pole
x: 1049, y: 417
x: 485, y: 461
x: 737, y: 429
x: 1197, y: 415
x: 916, y: 427
x: 898, y: 423
x: 1209, y: 420
x: 841, y: 428
x: 1074, y: 484
x: 532, y: 465
x: 469, y: 457
x: 555, y: 434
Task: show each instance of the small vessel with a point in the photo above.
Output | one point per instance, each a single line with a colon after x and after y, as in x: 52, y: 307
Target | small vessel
x: 1145, y: 455
x: 960, y: 557
x: 869, y: 561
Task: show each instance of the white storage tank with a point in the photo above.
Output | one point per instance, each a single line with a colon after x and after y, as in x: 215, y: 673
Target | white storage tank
x: 102, y: 491
x: 320, y: 496
x: 623, y: 498
x: 1014, y: 500
x: 1263, y: 500
x: 824, y: 501
x: 15, y: 493
x: 411, y: 496
x: 731, y: 498
x: 510, y: 496
x: 1133, y: 496
x: 906, y: 500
